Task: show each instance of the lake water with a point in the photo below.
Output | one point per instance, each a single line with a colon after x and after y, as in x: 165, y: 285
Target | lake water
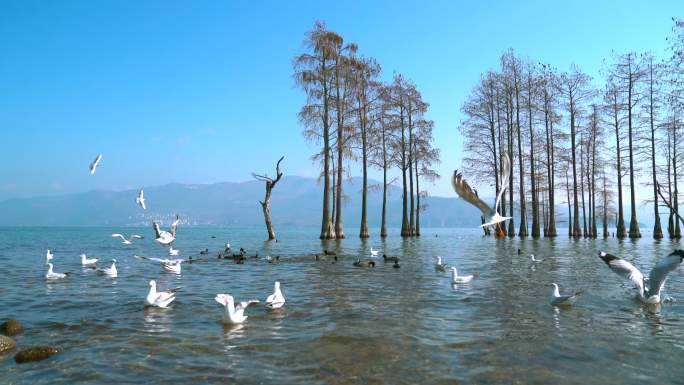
x: 341, y: 324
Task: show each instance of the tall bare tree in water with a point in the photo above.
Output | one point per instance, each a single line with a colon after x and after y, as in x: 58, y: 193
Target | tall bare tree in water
x: 381, y: 154
x: 652, y: 74
x: 398, y: 102
x: 614, y: 103
x: 573, y: 86
x: 531, y: 87
x: 365, y: 72
x: 626, y: 73
x: 549, y: 92
x: 266, y: 203
x: 314, y: 73
x: 425, y: 156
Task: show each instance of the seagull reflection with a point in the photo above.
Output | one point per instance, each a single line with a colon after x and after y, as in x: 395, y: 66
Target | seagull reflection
x: 157, y: 320
x: 231, y: 333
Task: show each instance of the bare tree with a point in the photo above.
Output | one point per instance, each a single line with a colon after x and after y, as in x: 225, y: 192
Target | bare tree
x: 266, y: 203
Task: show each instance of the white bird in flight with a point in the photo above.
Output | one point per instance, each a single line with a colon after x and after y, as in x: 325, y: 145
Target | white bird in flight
x: 110, y: 271
x: 455, y: 278
x: 469, y: 195
x: 233, y: 314
x: 440, y: 266
x: 374, y: 253
x: 88, y: 262
x: 48, y: 256
x: 165, y: 237
x: 275, y: 300
x: 52, y: 276
x: 563, y: 300
x: 160, y: 299
x: 651, y: 293
x: 172, y: 265
x: 129, y: 240
x: 96, y: 162
x: 172, y: 251
x: 140, y: 200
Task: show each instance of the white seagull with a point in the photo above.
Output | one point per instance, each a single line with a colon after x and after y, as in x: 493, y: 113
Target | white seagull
x: 469, y: 195
x: 275, y: 300
x: 172, y: 265
x: 140, y: 200
x: 563, y: 300
x: 127, y: 241
x: 52, y: 276
x: 96, y: 162
x: 88, y: 262
x: 110, y: 271
x: 233, y: 314
x: 455, y: 278
x: 165, y: 237
x: 160, y: 299
x: 48, y: 256
x: 656, y: 278
x: 172, y: 251
x: 440, y: 266
x: 535, y: 259
x: 374, y: 253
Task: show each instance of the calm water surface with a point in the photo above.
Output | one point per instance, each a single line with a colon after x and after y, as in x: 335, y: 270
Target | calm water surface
x: 341, y: 324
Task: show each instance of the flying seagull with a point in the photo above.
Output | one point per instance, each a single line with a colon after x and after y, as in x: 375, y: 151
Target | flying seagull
x: 172, y: 251
x: 172, y: 265
x: 165, y: 237
x: 563, y: 300
x: 160, y: 299
x: 140, y: 200
x: 466, y: 192
x: 127, y: 241
x: 96, y: 162
x: 656, y: 278
x: 233, y: 314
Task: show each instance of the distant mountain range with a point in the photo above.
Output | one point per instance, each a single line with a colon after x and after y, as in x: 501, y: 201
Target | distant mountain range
x: 296, y: 201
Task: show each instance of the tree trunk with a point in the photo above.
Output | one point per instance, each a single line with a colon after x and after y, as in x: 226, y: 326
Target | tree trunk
x: 576, y: 226
x: 412, y: 212
x: 404, y: 200
x: 511, y: 222
x: 605, y: 207
x: 383, y: 223
x: 535, y: 203
x: 340, y: 100
x: 417, y: 230
x: 677, y: 230
x: 621, y: 231
x: 548, y: 122
x: 584, y: 212
x: 633, y: 222
x: 265, y: 206
x: 657, y: 228
x: 522, y: 232
x: 567, y: 189
x: 326, y: 225
x: 363, y: 231
x: 670, y: 221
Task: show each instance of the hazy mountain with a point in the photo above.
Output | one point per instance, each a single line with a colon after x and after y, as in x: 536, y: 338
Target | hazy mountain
x: 296, y: 201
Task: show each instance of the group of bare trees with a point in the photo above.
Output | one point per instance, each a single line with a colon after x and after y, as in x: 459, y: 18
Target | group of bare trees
x: 599, y: 138
x: 358, y: 119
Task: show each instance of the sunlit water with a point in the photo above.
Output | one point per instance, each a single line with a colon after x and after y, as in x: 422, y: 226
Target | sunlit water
x: 341, y: 324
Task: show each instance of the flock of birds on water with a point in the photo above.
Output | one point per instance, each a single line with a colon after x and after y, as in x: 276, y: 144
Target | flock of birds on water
x: 650, y: 290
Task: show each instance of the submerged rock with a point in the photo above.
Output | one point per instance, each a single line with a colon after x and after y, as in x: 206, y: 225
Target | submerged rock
x: 11, y: 327
x: 35, y: 353
x: 6, y: 344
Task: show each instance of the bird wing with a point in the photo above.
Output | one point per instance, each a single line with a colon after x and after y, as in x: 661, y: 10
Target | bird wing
x: 658, y: 275
x: 271, y: 298
x: 174, y: 225
x: 157, y: 231
x: 118, y: 235
x: 135, y: 236
x: 624, y: 269
x: 222, y: 299
x: 466, y: 192
x: 243, y: 305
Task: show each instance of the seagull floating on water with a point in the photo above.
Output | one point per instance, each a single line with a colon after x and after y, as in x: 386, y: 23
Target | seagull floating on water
x: 275, y: 300
x: 535, y: 259
x: 88, y: 262
x: 650, y: 294
x: 374, y: 253
x: 439, y: 266
x: 52, y: 276
x: 110, y: 271
x: 172, y: 251
x: 96, y: 162
x: 233, y: 314
x: 469, y: 195
x: 172, y: 265
x: 455, y: 278
x: 563, y: 300
x: 140, y: 200
x: 165, y: 237
x: 128, y: 241
x: 48, y: 256
x: 160, y: 299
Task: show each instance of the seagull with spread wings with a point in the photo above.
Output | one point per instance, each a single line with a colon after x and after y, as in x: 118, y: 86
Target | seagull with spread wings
x: 650, y: 289
x: 165, y: 237
x: 466, y: 192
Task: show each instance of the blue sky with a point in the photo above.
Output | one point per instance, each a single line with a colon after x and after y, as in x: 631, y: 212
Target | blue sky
x: 202, y: 92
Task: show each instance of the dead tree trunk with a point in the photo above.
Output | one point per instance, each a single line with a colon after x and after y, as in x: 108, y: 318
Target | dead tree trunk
x: 265, y: 204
